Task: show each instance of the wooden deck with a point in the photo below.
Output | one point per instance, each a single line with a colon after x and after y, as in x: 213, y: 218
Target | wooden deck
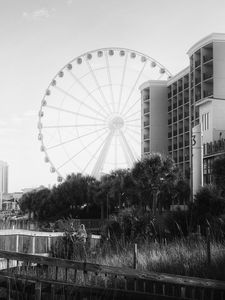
x: 41, y: 277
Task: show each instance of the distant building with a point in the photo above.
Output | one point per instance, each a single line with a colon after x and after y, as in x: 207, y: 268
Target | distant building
x: 185, y: 115
x: 3, y: 180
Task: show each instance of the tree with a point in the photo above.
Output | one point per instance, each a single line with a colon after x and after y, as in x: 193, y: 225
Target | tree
x: 152, y: 174
x: 207, y: 204
x: 218, y: 172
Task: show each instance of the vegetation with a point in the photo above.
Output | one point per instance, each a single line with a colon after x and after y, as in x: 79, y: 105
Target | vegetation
x: 85, y: 197
x: 167, y: 242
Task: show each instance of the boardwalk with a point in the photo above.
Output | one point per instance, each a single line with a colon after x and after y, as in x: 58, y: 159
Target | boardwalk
x: 53, y: 278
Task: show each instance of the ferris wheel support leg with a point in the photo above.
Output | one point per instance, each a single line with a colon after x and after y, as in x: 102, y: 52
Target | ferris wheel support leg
x: 102, y: 156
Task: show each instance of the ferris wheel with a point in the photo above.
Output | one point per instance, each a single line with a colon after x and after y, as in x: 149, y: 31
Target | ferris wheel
x: 90, y: 115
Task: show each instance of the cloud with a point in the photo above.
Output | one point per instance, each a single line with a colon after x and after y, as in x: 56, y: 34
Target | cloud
x: 39, y: 14
x: 69, y: 2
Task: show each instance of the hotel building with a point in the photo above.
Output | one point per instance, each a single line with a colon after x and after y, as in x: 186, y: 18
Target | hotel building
x: 185, y: 116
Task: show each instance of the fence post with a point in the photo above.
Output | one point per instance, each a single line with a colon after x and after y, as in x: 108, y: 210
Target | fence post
x: 135, y: 257
x: 208, y: 245
x: 49, y: 243
x: 37, y: 290
x: 17, y: 243
x: 33, y: 244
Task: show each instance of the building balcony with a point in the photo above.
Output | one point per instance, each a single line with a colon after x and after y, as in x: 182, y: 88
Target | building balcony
x: 180, y: 116
x: 146, y: 123
x: 207, y: 93
x: 197, y: 80
x: 180, y: 88
x: 169, y: 108
x: 207, y: 75
x: 207, y: 58
x: 186, y: 85
x: 197, y: 63
x: 169, y: 134
x: 169, y: 121
x: 146, y: 110
x: 146, y: 149
x: 146, y: 136
x: 174, y: 91
x: 174, y: 132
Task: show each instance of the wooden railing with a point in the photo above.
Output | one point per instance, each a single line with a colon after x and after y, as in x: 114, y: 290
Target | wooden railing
x: 52, y: 275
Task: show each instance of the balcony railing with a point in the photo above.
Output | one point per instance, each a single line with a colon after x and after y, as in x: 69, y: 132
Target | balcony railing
x: 146, y: 123
x: 214, y: 147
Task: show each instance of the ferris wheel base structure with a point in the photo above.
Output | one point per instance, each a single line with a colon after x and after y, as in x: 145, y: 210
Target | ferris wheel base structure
x: 90, y: 115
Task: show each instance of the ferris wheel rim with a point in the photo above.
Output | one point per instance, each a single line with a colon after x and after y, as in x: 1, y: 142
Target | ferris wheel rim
x: 85, y: 55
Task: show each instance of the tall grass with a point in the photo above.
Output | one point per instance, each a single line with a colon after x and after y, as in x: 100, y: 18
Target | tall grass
x: 181, y: 257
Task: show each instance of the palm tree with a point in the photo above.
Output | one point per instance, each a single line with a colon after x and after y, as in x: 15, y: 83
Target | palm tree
x: 152, y: 174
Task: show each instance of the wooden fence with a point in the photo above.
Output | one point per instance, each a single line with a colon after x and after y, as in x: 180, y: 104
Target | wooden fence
x: 66, y: 279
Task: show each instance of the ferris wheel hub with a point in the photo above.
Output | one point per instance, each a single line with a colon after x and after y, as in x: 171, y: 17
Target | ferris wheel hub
x: 116, y: 123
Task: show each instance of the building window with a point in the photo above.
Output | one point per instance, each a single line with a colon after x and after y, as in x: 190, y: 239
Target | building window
x: 205, y: 121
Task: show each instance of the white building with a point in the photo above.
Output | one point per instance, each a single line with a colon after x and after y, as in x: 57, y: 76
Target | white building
x: 186, y: 114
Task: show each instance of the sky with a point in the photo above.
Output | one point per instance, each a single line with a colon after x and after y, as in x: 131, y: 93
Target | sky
x: 38, y: 37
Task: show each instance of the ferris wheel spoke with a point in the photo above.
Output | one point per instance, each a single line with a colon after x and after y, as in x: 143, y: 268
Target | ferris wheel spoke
x: 129, y: 131
x: 122, y: 82
x: 135, y: 113
x: 74, y: 139
x: 84, y: 148
x: 135, y: 125
x: 79, y: 101
x: 98, y: 86
x: 73, y: 112
x: 125, y: 152
x: 109, y: 80
x: 73, y: 126
x: 135, y: 140
x: 87, y: 91
x: 116, y: 152
x: 102, y: 156
x: 93, y: 156
x: 132, y: 106
x: 133, y: 87
x: 134, y: 131
x: 127, y: 149
x: 133, y: 120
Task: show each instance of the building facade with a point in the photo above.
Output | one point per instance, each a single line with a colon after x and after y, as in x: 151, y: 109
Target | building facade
x: 194, y: 109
